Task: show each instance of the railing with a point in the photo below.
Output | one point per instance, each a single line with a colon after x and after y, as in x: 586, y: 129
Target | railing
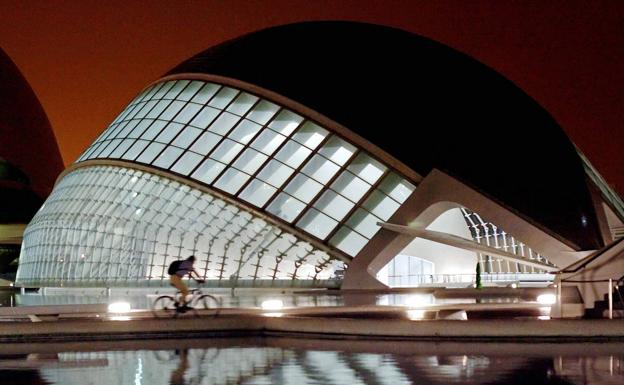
x: 618, y: 283
x: 438, y: 279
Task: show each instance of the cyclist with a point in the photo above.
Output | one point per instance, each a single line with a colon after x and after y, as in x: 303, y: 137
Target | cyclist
x: 177, y: 270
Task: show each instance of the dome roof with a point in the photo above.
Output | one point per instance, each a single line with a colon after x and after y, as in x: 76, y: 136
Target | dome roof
x: 425, y: 104
x: 28, y: 143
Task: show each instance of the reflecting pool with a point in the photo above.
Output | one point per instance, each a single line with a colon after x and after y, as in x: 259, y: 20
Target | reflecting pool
x: 303, y: 361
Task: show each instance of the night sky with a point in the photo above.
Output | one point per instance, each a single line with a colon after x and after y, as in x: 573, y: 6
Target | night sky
x: 86, y: 59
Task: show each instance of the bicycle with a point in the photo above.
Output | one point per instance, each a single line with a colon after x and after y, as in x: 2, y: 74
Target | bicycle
x: 169, y: 306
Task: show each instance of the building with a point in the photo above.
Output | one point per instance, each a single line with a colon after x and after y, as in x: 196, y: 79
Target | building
x: 29, y: 161
x: 323, y: 154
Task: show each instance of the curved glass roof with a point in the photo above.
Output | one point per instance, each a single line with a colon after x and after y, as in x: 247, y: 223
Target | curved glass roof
x: 252, y: 149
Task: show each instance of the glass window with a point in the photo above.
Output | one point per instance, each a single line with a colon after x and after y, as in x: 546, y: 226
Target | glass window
x: 317, y: 223
x: 190, y: 90
x: 136, y: 149
x: 187, y: 113
x: 172, y: 110
x: 167, y: 157
x: 109, y: 148
x: 153, y: 130
x: 381, y: 205
x: 286, y: 207
x: 303, y: 188
x: 232, y: 180
x: 140, y: 128
x: 187, y: 163
x: 257, y: 193
x: 205, y: 143
x: 250, y: 160
x: 223, y: 97
x: 337, y: 150
x: 320, y: 169
x: 268, y: 141
x: 176, y: 89
x: 158, y: 109
x: 205, y: 117
x: 226, y: 151
x: 224, y: 123
x: 367, y: 168
x: 169, y: 132
x: 364, y: 223
x: 396, y: 187
x: 127, y: 129
x: 146, y: 108
x: 245, y: 131
x: 293, y: 154
x: 348, y: 241
x: 310, y: 135
x: 150, y: 152
x: 163, y: 90
x: 263, y: 112
x: 186, y: 137
x: 207, y: 92
x: 275, y: 173
x: 123, y: 146
x: 350, y: 186
x: 242, y: 104
x: 333, y: 205
x: 286, y: 122
x: 208, y: 170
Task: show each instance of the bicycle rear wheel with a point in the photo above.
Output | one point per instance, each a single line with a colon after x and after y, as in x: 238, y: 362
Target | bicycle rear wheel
x: 164, y: 307
x: 207, y: 301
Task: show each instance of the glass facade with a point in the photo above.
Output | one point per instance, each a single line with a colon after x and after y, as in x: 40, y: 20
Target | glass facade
x: 97, y: 226
x: 114, y: 226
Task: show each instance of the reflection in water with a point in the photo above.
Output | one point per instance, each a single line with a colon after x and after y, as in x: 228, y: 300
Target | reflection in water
x: 290, y: 361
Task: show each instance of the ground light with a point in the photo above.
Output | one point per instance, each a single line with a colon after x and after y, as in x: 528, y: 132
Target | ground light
x: 547, y: 299
x: 273, y: 305
x: 117, y: 309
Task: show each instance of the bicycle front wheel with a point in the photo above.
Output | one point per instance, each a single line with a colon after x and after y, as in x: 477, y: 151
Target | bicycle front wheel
x: 208, y: 301
x: 164, y: 307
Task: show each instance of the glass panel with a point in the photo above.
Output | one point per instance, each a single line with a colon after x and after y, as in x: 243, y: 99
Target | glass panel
x: 250, y: 161
x: 205, y: 143
x: 208, y: 170
x: 275, y: 173
x: 320, y: 169
x: 310, y: 135
x: 268, y: 141
x: 231, y: 181
x: 293, y: 154
x: 187, y: 163
x: 206, y: 93
x: 364, y: 223
x: 172, y: 110
x: 286, y: 122
x: 187, y: 113
x: 223, y: 97
x: 350, y: 186
x: 150, y: 152
x: 337, y: 150
x: 190, y: 90
x: 148, y: 107
x: 242, y: 104
x: 257, y: 193
x: 158, y: 109
x: 263, y: 112
x: 348, y: 241
x: 166, y: 159
x: 109, y: 148
x: 317, y: 223
x: 163, y: 90
x: 303, y: 188
x: 169, y: 132
x: 367, y: 168
x: 245, y: 131
x: 381, y: 205
x: 333, y: 205
x: 136, y: 149
x: 224, y: 123
x: 140, y: 128
x: 175, y: 90
x: 127, y: 129
x: 226, y: 151
x: 153, y: 130
x: 205, y: 117
x: 286, y: 207
x: 396, y: 187
x: 187, y: 137
x: 121, y: 148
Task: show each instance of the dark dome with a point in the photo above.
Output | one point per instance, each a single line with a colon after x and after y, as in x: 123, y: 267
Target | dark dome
x: 29, y: 157
x: 425, y: 104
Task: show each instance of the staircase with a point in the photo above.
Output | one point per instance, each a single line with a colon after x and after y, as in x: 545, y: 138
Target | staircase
x: 601, y: 307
